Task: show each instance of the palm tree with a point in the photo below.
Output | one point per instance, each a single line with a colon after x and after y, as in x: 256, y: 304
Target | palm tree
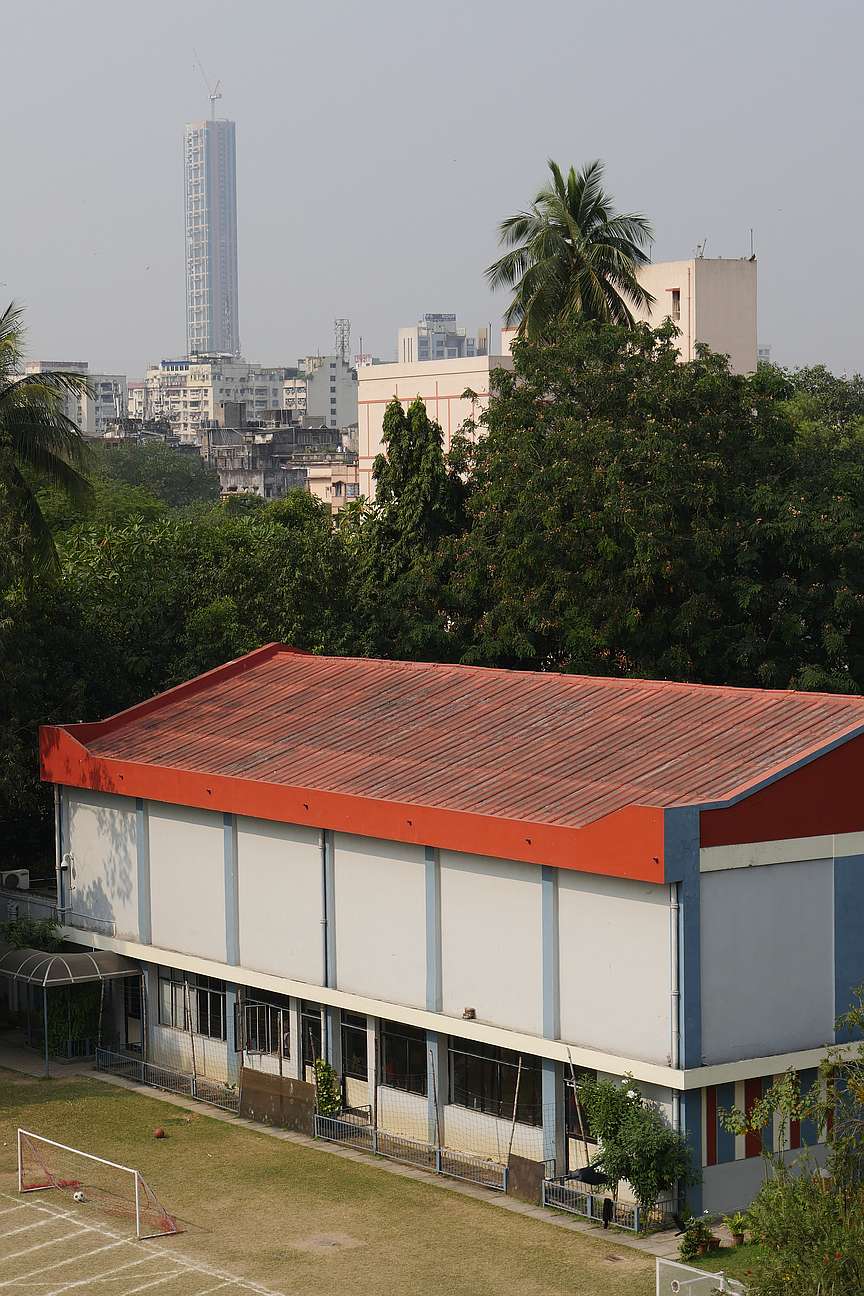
x: 37, y: 439
x: 571, y: 256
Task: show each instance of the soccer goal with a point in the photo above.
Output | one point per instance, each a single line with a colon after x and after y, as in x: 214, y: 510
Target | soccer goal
x: 675, y: 1279
x: 115, y: 1189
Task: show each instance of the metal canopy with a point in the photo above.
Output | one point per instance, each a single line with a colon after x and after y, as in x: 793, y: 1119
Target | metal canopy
x: 64, y: 967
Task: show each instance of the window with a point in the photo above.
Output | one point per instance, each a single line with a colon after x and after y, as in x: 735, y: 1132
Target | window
x: 354, y: 1056
x: 403, y: 1057
x: 191, y: 1002
x: 676, y: 303
x: 483, y: 1077
x: 310, y: 1027
x: 262, y: 1018
x: 575, y: 1122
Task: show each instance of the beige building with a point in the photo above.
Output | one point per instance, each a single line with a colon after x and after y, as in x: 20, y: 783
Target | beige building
x: 104, y: 399
x: 189, y: 392
x: 708, y: 300
x: 444, y: 386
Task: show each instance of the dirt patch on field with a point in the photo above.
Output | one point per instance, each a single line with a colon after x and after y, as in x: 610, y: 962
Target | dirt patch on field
x: 326, y: 1242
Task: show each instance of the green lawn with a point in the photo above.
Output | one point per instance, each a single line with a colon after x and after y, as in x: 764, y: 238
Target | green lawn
x: 736, y: 1262
x: 258, y: 1206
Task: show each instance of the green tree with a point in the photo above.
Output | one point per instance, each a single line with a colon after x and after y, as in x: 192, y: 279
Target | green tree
x: 400, y: 541
x: 571, y: 256
x: 810, y: 1225
x: 178, y: 477
x: 109, y: 503
x: 636, y: 1141
x: 36, y: 439
x: 633, y: 515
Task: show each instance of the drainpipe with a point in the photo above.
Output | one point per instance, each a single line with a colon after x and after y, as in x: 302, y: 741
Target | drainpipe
x: 675, y: 996
x: 59, y: 859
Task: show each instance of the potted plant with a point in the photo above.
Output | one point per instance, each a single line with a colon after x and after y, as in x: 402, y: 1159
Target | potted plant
x: 697, y: 1240
x: 737, y: 1224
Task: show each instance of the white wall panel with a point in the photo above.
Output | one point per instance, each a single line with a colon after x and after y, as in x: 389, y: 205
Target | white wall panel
x: 280, y: 899
x: 615, y: 964
x: 767, y: 960
x: 491, y: 958
x: 103, y: 840
x: 187, y: 880
x: 380, y: 900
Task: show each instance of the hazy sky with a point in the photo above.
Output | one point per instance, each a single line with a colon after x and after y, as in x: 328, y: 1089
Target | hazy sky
x: 379, y: 144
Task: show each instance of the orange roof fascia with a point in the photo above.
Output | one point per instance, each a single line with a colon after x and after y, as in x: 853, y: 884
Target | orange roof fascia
x: 627, y: 843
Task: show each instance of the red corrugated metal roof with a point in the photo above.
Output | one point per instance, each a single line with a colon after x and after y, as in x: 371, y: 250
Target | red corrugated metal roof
x: 556, y: 749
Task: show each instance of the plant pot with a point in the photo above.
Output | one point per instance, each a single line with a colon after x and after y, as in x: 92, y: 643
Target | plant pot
x: 738, y: 1239
x: 702, y: 1248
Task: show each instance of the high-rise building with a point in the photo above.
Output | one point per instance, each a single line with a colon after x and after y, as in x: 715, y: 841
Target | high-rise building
x: 188, y: 392
x: 209, y: 157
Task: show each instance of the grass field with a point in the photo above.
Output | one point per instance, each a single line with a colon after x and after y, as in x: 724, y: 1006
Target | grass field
x: 278, y: 1216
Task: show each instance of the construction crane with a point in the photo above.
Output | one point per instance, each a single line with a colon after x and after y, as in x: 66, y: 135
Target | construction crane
x: 213, y: 92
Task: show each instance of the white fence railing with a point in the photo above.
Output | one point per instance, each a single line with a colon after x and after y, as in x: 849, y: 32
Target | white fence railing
x: 355, y: 1129
x: 569, y: 1195
x: 170, y: 1081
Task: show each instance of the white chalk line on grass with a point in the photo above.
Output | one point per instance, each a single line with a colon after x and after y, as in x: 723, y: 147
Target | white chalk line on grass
x: 13, y: 1255
x: 152, y: 1248
x: 104, y: 1277
x: 27, y: 1278
x: 24, y: 1227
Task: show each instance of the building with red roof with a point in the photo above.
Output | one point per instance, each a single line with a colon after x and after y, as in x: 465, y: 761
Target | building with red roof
x: 463, y: 886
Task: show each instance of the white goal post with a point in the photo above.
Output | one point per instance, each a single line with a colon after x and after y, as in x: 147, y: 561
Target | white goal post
x: 44, y: 1163
x: 676, y: 1279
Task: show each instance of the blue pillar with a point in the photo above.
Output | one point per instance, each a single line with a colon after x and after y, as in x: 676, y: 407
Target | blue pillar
x: 681, y: 860
x: 233, y: 1057
x: 328, y: 892
x: 553, y: 1113
x: 232, y: 911
x: 142, y: 842
x: 436, y: 1085
x: 433, y: 930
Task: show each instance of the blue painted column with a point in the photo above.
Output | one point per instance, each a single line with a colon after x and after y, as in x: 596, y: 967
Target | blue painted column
x: 554, y: 1134
x: 437, y: 1076
x: 142, y: 844
x: 233, y: 1057
x: 232, y: 909
x: 436, y: 1085
x: 848, y: 935
x: 232, y: 940
x: 681, y: 857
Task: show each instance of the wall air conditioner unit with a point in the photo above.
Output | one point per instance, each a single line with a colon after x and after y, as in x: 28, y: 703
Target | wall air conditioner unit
x: 15, y: 880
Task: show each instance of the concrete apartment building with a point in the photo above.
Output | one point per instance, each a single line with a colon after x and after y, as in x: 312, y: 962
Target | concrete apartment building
x: 439, y: 337
x: 189, y: 392
x: 331, y: 390
x: 105, y: 399
x: 210, y: 183
x: 441, y: 875
x: 277, y: 454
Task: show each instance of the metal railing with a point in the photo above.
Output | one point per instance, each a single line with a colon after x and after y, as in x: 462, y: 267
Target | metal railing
x: 151, y: 1074
x: 566, y: 1194
x: 32, y: 904
x: 353, y: 1127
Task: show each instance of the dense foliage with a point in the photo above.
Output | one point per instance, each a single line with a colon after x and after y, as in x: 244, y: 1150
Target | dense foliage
x: 809, y: 1220
x: 614, y: 512
x: 637, y: 1143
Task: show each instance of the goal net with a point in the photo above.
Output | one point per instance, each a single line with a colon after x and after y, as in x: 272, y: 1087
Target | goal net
x: 674, y: 1279
x: 88, y: 1179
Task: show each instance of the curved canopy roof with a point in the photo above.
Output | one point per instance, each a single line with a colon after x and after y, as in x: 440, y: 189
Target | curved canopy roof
x: 64, y: 967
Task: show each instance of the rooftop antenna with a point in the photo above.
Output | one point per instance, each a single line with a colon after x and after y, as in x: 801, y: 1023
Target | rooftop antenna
x: 700, y: 249
x: 213, y: 92
x: 342, y: 333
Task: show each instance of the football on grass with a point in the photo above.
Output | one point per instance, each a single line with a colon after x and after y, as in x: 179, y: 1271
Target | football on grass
x: 159, y: 1132
x: 78, y: 1196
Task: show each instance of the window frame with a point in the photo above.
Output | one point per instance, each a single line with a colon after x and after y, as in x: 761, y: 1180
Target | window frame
x: 493, y: 1072
x: 397, y: 1068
